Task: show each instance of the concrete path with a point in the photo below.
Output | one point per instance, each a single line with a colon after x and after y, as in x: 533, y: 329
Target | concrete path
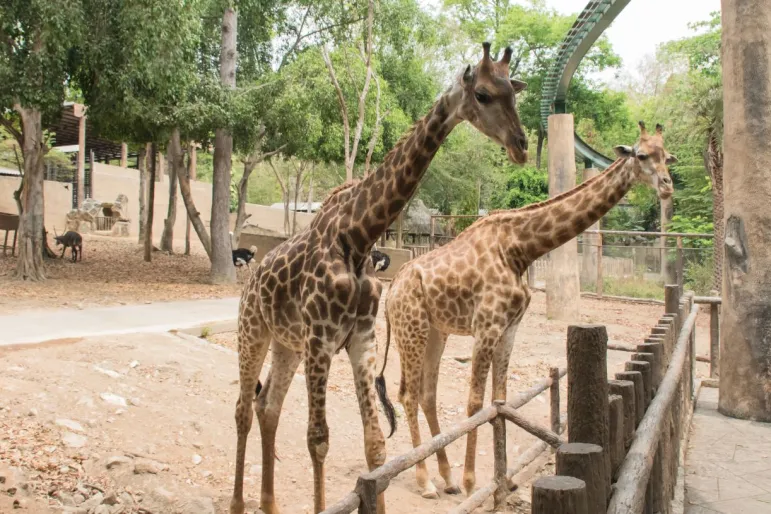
x: 45, y: 325
x: 728, y: 465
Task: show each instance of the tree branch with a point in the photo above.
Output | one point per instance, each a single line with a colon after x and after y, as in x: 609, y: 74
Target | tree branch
x: 302, y: 37
x: 367, y: 80
x: 11, y: 129
x: 343, y: 112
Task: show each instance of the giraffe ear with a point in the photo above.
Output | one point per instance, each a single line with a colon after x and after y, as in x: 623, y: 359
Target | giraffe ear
x: 518, y: 85
x: 467, y: 77
x: 671, y: 159
x: 623, y: 150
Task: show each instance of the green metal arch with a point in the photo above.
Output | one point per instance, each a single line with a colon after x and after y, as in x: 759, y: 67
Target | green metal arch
x: 590, y: 24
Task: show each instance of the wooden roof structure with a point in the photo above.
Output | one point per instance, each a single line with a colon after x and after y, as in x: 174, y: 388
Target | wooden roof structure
x: 65, y: 133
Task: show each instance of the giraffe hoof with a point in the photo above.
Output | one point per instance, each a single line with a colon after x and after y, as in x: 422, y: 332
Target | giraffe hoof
x: 430, y: 495
x: 452, y: 489
x: 512, y: 486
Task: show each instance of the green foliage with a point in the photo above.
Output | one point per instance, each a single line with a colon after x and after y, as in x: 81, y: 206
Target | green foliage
x: 523, y: 186
x: 633, y: 288
x: 699, y: 276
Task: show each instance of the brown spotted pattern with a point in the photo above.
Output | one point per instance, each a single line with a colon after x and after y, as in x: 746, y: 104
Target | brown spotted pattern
x: 473, y: 286
x: 316, y: 294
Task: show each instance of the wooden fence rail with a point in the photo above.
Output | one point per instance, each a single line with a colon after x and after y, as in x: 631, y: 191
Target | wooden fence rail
x: 369, y: 485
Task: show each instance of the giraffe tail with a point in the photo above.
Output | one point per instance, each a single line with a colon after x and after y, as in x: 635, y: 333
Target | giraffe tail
x: 380, y: 384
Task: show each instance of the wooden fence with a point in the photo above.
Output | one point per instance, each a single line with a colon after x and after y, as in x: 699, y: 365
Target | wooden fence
x: 626, y: 432
x: 364, y: 497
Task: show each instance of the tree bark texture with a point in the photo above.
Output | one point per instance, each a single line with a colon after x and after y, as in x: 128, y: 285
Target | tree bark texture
x: 176, y: 162
x: 587, y: 350
x: 150, y: 203
x: 585, y: 462
x: 667, y: 269
x: 29, y: 265
x: 559, y: 495
x: 539, y: 148
x: 142, y: 164
x: 192, y: 159
x: 243, y: 186
x: 745, y: 330
x: 222, y: 269
x: 192, y: 213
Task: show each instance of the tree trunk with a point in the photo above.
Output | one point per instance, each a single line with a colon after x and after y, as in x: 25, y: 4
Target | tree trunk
x: 298, y: 182
x: 310, y: 191
x: 191, y: 172
x: 715, y: 161
x: 222, y: 269
x: 243, y: 186
x: 187, y: 198
x: 176, y: 162
x: 31, y: 221
x: 150, y: 203
x: 668, y: 273
x: 142, y: 164
x: 539, y: 148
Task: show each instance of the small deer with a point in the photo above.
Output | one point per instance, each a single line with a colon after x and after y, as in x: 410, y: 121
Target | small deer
x: 74, y: 241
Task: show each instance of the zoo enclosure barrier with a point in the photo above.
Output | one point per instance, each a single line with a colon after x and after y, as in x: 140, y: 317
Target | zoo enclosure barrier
x: 628, y: 430
x: 363, y: 498
x: 636, y: 440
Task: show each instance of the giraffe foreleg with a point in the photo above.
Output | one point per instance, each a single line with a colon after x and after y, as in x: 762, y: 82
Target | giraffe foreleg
x: 252, y: 349
x: 434, y: 351
x: 362, y: 353
x: 480, y: 367
x: 318, y: 359
x: 284, y: 362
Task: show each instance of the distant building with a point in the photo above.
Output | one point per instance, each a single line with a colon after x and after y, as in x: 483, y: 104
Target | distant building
x: 301, y: 207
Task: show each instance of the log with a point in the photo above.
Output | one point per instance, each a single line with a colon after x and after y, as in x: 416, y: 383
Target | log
x: 657, y: 366
x: 650, y: 359
x: 585, y: 462
x: 714, y: 339
x: 559, y: 495
x: 639, y: 392
x: 645, y: 369
x: 347, y: 505
x: 541, y: 433
x: 554, y: 397
x: 366, y: 488
x: 499, y: 452
x: 625, y: 389
x: 587, y: 351
x: 616, y: 433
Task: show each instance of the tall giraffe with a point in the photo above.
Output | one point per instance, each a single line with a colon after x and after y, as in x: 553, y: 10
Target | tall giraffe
x: 316, y: 293
x: 473, y: 286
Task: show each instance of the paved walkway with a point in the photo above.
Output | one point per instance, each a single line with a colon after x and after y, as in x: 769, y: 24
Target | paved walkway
x: 46, y: 325
x: 728, y: 465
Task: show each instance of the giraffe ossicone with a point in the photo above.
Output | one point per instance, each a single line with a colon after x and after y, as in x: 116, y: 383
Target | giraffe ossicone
x: 316, y: 294
x: 473, y: 286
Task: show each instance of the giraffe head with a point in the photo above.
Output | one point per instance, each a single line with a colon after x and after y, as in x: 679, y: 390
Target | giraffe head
x: 651, y: 160
x: 489, y: 103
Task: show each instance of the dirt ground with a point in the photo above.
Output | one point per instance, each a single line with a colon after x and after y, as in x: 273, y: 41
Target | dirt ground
x: 157, y: 410
x: 113, y: 271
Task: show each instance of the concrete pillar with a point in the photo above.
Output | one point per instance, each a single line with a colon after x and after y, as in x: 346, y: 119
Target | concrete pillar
x: 81, y: 172
x: 123, y: 155
x: 745, y: 325
x: 668, y: 275
x: 589, y: 248
x: 563, y: 293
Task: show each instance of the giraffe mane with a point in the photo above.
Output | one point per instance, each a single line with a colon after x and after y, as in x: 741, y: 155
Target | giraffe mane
x: 339, y: 189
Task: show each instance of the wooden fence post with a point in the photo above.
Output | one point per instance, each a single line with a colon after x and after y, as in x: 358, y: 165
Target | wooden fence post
x: 432, y: 234
x: 559, y: 495
x: 499, y: 452
x: 367, y: 491
x: 625, y: 389
x: 639, y: 392
x: 656, y: 350
x: 554, y: 397
x: 672, y: 302
x: 599, y: 283
x: 585, y: 462
x: 587, y: 350
x: 645, y: 369
x: 616, y: 432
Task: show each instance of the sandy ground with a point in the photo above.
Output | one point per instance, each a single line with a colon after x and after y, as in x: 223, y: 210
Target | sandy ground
x: 112, y: 272
x: 171, y: 447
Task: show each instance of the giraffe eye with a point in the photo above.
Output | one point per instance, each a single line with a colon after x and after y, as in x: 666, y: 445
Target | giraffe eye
x: 482, y: 98
x: 642, y: 156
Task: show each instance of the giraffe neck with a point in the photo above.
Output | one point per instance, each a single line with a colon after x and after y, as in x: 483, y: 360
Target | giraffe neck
x: 542, y: 227
x: 376, y: 201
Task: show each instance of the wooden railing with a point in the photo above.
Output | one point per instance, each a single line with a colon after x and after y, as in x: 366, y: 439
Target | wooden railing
x: 637, y: 445
x: 368, y: 486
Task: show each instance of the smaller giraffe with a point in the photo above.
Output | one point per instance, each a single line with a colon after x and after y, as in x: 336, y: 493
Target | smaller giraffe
x: 473, y: 286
